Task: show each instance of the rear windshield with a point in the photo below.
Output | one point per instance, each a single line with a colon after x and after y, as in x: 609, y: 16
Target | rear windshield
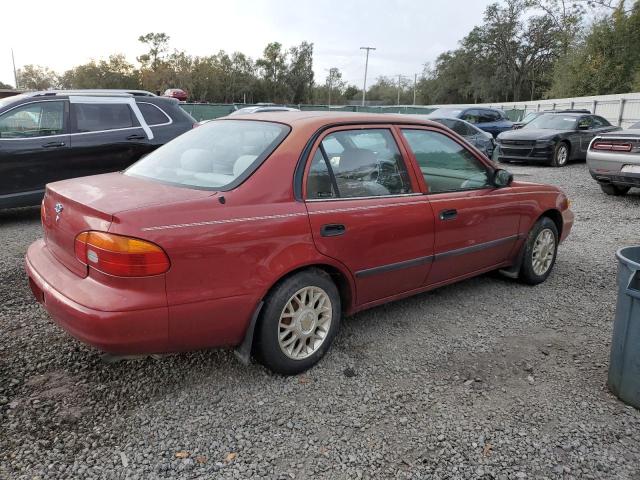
x: 212, y: 156
x: 553, y: 121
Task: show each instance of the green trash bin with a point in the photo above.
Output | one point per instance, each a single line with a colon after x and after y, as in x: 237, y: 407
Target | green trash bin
x: 624, y: 365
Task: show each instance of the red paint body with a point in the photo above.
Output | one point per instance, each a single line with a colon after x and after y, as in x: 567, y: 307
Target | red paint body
x: 226, y: 257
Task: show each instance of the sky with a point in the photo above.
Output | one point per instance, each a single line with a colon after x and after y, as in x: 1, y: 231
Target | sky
x: 405, y: 33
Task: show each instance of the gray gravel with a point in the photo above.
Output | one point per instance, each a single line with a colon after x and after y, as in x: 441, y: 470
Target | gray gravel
x: 484, y: 379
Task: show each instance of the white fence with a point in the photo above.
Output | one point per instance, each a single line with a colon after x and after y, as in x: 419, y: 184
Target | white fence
x: 622, y: 109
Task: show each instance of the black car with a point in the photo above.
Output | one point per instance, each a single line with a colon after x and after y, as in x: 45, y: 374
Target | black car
x: 55, y: 135
x: 530, y: 116
x: 552, y: 138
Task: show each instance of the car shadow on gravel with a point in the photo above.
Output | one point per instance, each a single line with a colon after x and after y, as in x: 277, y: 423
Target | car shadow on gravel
x: 12, y: 215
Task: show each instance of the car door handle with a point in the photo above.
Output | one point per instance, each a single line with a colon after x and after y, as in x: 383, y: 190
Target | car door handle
x: 53, y: 145
x: 448, y: 214
x: 136, y: 137
x: 332, y: 230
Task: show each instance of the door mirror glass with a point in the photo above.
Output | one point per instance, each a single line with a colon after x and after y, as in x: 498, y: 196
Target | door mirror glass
x: 502, y: 178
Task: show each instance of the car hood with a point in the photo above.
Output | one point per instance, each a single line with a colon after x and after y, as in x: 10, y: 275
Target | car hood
x: 531, y: 134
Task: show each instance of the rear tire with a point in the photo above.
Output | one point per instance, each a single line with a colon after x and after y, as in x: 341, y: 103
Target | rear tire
x: 540, y: 251
x: 615, y: 190
x: 300, y: 319
x: 561, y: 155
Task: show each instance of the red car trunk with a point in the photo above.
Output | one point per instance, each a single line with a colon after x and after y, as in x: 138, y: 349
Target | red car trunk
x: 71, y: 207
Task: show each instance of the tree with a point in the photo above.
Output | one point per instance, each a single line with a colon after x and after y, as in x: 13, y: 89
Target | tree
x: 5, y: 86
x: 300, y: 73
x: 36, y: 77
x: 158, y: 45
x: 273, y: 69
x: 115, y: 72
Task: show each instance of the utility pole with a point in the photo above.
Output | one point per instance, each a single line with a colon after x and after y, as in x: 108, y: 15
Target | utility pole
x: 366, y: 67
x: 415, y: 86
x: 15, y: 75
x: 399, y: 79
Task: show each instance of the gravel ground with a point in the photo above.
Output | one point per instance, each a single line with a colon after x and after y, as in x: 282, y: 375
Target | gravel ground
x: 484, y: 379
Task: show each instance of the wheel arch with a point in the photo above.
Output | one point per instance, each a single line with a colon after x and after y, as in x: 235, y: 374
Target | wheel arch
x: 346, y: 288
x: 555, y: 216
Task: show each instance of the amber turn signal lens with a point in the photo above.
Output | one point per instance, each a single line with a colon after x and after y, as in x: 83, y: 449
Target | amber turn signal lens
x: 119, y: 255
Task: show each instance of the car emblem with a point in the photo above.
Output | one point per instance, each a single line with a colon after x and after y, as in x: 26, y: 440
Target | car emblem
x: 58, y: 208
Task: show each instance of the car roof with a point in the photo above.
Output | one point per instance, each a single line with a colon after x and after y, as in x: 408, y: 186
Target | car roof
x: 319, y: 119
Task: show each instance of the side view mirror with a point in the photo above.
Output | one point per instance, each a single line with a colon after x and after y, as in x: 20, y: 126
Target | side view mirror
x: 502, y: 178
x: 583, y: 127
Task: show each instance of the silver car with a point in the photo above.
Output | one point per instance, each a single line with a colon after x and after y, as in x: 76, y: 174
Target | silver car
x: 614, y: 160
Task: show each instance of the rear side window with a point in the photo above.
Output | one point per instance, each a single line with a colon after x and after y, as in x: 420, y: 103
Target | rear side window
x: 153, y: 115
x: 216, y: 155
x: 94, y: 117
x: 357, y: 163
x: 39, y: 119
x: 445, y: 164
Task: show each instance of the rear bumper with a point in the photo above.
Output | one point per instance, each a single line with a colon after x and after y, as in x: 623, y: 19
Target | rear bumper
x: 622, y: 179
x: 134, y: 331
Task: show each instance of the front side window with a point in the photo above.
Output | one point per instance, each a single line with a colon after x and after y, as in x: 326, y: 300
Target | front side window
x: 445, y: 164
x: 39, y: 119
x: 212, y: 156
x: 357, y: 163
x: 95, y: 117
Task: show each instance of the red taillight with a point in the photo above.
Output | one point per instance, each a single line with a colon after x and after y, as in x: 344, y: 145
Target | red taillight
x: 611, y: 146
x: 119, y: 255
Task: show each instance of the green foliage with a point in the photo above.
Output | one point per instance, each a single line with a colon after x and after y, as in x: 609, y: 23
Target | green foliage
x: 606, y: 61
x: 36, y: 77
x: 5, y: 86
x: 115, y: 72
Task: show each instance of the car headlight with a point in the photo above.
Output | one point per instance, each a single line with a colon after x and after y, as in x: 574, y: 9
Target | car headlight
x: 543, y: 143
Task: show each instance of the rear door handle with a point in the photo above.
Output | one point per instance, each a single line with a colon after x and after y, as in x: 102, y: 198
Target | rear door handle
x: 448, y: 214
x: 332, y: 230
x: 136, y: 137
x: 53, y: 145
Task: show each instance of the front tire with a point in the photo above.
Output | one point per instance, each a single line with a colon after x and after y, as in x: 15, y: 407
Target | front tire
x: 540, y: 251
x: 561, y: 155
x: 615, y: 190
x: 299, y: 321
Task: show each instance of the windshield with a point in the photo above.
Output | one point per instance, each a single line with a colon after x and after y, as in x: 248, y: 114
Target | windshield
x: 635, y: 126
x: 446, y: 112
x: 14, y: 98
x: 528, y: 117
x: 212, y: 156
x: 551, y: 121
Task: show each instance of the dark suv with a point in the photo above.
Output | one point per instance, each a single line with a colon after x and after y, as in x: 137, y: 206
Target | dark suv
x: 55, y: 135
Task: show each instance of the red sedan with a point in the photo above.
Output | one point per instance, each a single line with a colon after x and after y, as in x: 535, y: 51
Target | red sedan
x: 261, y: 233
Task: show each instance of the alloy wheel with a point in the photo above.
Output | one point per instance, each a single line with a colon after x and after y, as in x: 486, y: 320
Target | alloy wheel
x: 304, y: 322
x: 543, y: 251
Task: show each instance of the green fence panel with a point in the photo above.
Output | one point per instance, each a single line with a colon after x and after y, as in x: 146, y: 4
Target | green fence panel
x: 209, y: 111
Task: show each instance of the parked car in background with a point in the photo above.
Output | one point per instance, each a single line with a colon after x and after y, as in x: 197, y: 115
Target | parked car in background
x: 552, y: 138
x: 480, y: 139
x: 55, y: 135
x: 176, y: 93
x: 614, y: 160
x: 263, y: 108
x: 530, y: 116
x: 490, y: 120
x: 261, y: 231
